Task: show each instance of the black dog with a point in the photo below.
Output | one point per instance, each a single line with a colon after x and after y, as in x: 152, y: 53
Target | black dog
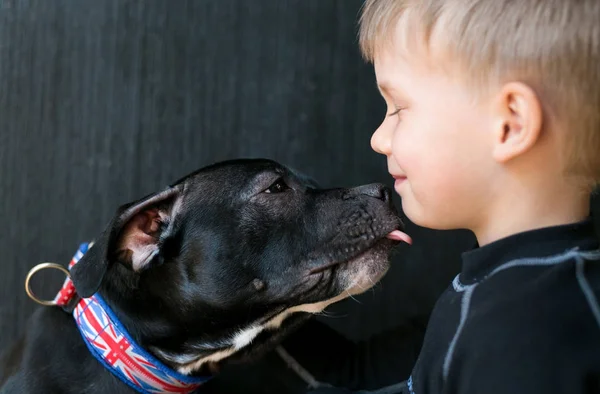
x: 214, y: 269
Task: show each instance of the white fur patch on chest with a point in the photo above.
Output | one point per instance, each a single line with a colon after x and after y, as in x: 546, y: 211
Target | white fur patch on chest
x: 246, y: 336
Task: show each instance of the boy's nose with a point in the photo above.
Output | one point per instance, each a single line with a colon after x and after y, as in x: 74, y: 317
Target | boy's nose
x: 381, y: 141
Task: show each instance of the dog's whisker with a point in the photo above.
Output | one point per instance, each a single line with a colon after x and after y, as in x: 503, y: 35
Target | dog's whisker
x: 329, y: 314
x: 352, y: 297
x: 372, y: 283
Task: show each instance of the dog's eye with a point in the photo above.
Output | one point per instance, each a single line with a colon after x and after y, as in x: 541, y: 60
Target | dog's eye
x: 277, y: 187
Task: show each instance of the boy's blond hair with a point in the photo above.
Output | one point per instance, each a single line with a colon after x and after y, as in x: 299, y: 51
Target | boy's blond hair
x: 551, y: 45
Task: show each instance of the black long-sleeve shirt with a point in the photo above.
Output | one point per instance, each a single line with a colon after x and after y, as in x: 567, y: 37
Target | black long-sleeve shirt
x: 522, y: 317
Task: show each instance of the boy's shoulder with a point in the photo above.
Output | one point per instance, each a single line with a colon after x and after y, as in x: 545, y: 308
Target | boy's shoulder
x: 553, y: 299
x: 548, y: 297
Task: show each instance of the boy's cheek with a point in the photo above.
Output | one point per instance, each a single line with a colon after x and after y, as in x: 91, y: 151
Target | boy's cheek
x: 403, y: 149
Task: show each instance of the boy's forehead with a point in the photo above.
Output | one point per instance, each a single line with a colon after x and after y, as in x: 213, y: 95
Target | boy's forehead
x: 393, y: 66
x: 396, y: 62
x: 391, y: 75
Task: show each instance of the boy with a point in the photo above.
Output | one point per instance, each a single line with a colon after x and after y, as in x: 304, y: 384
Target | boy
x: 493, y: 125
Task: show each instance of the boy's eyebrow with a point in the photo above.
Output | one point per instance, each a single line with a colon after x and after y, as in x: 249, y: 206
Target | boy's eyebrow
x: 385, y: 87
x: 382, y: 87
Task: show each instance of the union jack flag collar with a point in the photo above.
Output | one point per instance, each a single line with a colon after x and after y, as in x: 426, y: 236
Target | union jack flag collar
x: 111, y: 345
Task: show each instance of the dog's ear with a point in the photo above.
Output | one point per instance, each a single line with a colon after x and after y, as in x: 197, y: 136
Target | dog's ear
x: 132, y: 237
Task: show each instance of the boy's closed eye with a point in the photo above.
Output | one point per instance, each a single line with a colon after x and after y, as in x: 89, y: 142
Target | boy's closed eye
x: 396, y: 112
x: 385, y: 92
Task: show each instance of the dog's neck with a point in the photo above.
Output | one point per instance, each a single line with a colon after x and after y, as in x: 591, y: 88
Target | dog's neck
x: 141, y: 313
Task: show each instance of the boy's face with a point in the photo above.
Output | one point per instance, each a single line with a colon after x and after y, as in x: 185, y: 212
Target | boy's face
x: 438, y: 146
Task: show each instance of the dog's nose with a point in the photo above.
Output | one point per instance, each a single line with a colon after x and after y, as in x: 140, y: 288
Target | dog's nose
x: 376, y: 190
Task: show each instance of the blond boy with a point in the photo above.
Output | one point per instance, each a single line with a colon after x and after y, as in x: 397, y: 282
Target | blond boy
x: 493, y: 125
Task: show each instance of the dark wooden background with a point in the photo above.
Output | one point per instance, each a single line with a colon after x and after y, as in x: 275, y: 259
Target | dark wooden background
x: 102, y: 102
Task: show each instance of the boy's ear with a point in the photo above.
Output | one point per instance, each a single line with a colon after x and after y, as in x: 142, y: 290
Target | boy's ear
x: 519, y: 123
x: 132, y: 237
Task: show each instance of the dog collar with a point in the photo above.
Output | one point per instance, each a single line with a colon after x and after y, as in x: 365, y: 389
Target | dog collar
x: 113, y: 347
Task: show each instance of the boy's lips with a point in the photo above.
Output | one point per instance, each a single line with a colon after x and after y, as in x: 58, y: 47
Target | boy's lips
x: 399, y: 179
x: 398, y: 176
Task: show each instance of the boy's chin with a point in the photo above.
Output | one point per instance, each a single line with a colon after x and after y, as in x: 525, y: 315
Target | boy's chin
x: 427, y: 217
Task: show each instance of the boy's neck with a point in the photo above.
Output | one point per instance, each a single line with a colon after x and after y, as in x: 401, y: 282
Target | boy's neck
x: 529, y: 208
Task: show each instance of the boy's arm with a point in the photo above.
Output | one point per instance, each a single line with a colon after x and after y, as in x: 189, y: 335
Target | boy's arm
x: 382, y: 360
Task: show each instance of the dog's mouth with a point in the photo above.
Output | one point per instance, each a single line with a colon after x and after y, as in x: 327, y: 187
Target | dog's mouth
x: 393, y: 238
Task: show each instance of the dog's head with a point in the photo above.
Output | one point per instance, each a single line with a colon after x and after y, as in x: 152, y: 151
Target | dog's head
x: 202, y: 269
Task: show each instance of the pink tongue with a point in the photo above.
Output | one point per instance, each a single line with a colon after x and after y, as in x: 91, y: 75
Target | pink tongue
x: 398, y: 235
